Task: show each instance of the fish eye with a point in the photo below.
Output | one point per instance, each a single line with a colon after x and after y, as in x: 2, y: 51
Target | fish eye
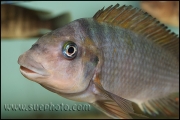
x: 69, y: 50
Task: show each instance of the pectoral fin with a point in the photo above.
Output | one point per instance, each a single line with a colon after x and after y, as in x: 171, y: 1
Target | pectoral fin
x: 112, y: 109
x: 115, y: 106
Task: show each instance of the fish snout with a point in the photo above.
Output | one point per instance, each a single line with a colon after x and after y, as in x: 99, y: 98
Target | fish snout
x: 28, y: 65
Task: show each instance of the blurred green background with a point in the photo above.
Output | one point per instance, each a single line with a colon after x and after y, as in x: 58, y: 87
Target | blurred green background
x: 15, y: 89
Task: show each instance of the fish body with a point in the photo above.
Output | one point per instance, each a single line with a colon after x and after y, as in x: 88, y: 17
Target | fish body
x: 138, y: 55
x: 120, y: 57
x: 165, y: 11
x: 20, y: 22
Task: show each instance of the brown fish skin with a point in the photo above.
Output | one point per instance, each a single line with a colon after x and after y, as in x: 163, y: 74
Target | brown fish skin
x: 165, y: 11
x: 20, y: 22
x: 117, y: 63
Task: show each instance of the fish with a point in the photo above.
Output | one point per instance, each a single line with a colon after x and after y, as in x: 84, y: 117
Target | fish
x: 120, y: 60
x: 165, y: 11
x: 11, y: 2
x: 21, y: 22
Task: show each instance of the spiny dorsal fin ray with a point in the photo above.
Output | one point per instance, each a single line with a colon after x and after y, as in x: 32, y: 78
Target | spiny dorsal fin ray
x: 141, y: 23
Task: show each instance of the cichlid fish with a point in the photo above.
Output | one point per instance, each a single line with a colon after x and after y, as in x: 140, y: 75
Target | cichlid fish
x: 20, y: 22
x: 11, y: 2
x: 120, y: 58
x: 165, y: 11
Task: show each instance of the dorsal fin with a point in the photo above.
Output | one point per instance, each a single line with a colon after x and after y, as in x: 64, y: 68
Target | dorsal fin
x: 141, y: 23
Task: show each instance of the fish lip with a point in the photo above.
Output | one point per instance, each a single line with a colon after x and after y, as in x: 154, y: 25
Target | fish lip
x: 27, y: 70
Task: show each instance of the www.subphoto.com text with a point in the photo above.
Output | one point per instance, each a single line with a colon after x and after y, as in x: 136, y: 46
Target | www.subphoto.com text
x: 47, y: 107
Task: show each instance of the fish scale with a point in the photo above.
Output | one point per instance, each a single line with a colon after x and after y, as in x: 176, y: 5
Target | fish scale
x: 141, y: 48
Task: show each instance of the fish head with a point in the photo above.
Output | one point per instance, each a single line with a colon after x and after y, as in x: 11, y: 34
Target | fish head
x: 61, y: 61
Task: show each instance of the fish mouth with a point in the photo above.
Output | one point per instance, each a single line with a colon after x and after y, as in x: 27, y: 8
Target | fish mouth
x: 30, y: 68
x: 27, y: 71
x: 22, y: 68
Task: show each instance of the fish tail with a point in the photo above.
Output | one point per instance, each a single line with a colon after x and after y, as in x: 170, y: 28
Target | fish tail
x: 59, y: 21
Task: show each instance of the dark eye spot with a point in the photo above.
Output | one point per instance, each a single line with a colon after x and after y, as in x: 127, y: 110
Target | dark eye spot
x: 71, y: 50
x: 95, y: 60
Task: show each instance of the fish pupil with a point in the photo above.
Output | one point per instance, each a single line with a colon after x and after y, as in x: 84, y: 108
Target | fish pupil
x: 71, y: 50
